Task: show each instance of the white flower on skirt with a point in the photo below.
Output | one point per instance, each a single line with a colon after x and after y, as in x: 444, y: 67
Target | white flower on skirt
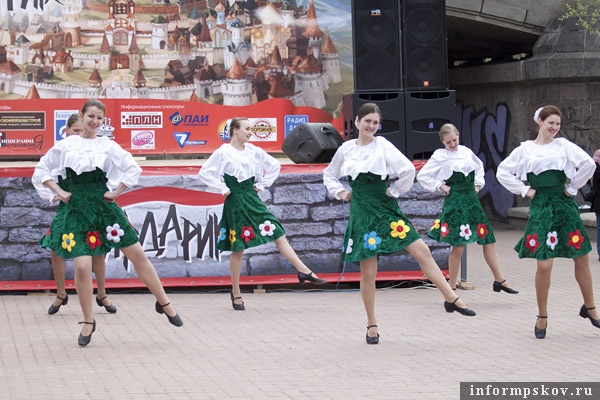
x: 552, y: 239
x: 114, y: 233
x: 267, y: 228
x: 465, y: 231
x: 349, y: 248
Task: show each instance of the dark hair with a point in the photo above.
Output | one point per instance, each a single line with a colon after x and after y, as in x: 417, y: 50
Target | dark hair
x: 72, y: 119
x: 368, y: 108
x: 93, y: 103
x: 548, y: 111
x: 235, y: 123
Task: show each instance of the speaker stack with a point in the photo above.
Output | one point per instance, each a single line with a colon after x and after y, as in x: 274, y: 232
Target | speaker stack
x: 400, y: 64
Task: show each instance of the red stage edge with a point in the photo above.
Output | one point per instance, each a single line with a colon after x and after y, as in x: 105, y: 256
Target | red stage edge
x: 220, y: 281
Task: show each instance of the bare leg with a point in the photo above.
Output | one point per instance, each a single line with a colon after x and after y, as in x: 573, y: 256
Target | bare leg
x: 368, y: 273
x: 85, y: 290
x: 583, y: 275
x: 99, y: 268
x: 146, y: 272
x: 59, y: 269
x: 289, y: 254
x: 454, y: 261
x: 421, y: 252
x: 235, y: 268
x: 489, y: 253
x: 542, y: 287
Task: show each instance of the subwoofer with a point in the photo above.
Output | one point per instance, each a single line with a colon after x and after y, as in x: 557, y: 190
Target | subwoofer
x: 312, y: 142
x: 424, y: 45
x: 376, y: 43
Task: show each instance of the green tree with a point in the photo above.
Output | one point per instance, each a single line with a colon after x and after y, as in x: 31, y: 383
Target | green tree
x: 587, y: 13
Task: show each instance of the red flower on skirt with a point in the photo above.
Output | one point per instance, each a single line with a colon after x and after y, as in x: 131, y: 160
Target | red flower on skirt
x: 532, y: 242
x: 575, y: 239
x: 482, y: 230
x: 93, y: 239
x: 444, y: 231
x: 247, y: 233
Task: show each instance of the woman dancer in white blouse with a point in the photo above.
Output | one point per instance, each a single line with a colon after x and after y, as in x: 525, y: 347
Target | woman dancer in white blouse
x: 95, y: 171
x: 554, y: 169
x: 59, y: 268
x: 238, y: 170
x: 457, y: 172
x: 376, y: 224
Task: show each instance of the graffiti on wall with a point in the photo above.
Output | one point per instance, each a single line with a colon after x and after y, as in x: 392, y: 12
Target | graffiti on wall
x: 486, y: 134
x: 576, y: 128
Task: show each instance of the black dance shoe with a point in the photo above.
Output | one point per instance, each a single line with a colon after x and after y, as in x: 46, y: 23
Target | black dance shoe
x: 372, y: 339
x: 498, y: 287
x: 111, y: 309
x: 311, y: 277
x: 176, y: 320
x: 54, y: 309
x: 85, y: 340
x: 583, y: 312
x: 451, y: 307
x: 540, y: 333
x: 239, y: 307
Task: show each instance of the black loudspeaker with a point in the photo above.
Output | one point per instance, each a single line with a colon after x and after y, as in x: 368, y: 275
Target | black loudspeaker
x: 312, y: 143
x: 376, y: 43
x: 392, y: 109
x: 410, y: 120
x: 426, y: 112
x: 424, y: 45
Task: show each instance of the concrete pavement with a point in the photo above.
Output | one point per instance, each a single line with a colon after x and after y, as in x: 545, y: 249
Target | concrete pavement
x: 302, y: 344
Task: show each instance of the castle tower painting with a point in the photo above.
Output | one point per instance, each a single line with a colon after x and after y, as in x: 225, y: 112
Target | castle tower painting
x: 223, y: 51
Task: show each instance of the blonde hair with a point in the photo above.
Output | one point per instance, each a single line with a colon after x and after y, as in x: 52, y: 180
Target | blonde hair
x: 447, y: 129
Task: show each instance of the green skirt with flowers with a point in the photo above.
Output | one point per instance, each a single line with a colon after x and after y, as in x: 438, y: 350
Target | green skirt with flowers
x: 462, y: 219
x: 87, y: 225
x: 554, y: 228
x: 376, y: 224
x: 246, y: 222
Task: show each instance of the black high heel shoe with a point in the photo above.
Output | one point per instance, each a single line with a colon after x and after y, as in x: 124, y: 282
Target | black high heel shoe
x: 111, y: 309
x: 176, y: 320
x: 85, y: 340
x: 540, y: 333
x: 239, y: 307
x: 372, y: 339
x: 451, y: 307
x: 583, y: 312
x: 498, y: 287
x: 311, y: 278
x: 54, y: 309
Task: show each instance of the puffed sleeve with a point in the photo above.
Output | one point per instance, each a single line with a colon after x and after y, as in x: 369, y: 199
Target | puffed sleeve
x: 507, y: 173
x: 479, y: 172
x: 427, y: 174
x: 401, y: 167
x: 333, y: 173
x: 585, y: 167
x: 271, y: 168
x: 44, y: 172
x: 126, y: 170
x: 210, y: 174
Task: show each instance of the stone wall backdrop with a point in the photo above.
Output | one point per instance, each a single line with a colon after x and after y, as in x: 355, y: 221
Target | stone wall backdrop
x: 314, y: 223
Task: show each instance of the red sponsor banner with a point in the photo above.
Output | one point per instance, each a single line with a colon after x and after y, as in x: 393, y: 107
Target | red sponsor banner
x: 28, y: 128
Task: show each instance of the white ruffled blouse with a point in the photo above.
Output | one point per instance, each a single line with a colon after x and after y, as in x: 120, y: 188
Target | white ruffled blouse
x: 560, y: 154
x: 85, y: 155
x: 443, y: 163
x: 241, y: 164
x: 380, y: 157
